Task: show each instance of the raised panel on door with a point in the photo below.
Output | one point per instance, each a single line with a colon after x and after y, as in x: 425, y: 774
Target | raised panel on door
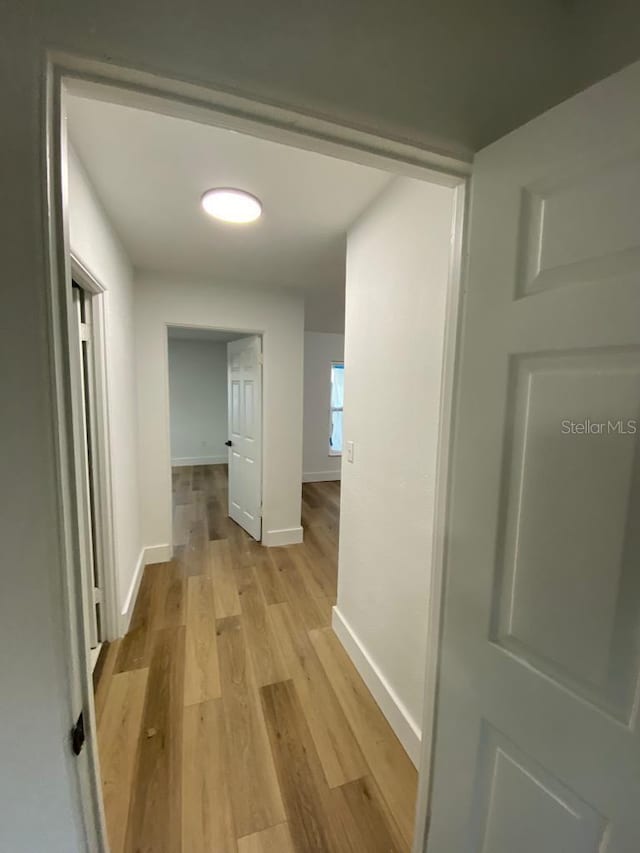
x: 249, y: 414
x: 520, y: 807
x: 235, y: 431
x: 567, y: 595
x: 236, y: 407
x: 564, y: 238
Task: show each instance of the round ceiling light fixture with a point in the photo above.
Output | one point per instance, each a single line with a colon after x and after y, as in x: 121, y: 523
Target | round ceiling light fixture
x: 231, y: 205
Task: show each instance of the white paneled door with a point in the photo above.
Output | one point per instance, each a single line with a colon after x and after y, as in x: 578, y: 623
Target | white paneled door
x: 244, y: 366
x: 537, y: 737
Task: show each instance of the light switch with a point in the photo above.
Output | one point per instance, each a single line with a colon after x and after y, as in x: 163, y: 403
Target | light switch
x: 349, y: 451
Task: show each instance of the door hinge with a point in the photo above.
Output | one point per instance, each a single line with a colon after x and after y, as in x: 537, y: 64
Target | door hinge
x: 260, y: 358
x: 77, y: 735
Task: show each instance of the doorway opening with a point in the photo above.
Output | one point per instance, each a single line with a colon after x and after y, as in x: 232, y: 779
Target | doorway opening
x: 306, y: 604
x: 215, y: 403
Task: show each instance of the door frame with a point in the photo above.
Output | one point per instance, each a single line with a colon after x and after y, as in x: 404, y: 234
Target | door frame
x: 206, y: 105
x: 105, y: 544
x: 454, y: 309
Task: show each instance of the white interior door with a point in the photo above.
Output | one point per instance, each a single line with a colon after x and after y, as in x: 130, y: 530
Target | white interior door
x: 537, y: 746
x: 244, y: 367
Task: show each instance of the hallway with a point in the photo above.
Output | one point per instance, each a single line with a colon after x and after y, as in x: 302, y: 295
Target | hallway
x: 229, y: 717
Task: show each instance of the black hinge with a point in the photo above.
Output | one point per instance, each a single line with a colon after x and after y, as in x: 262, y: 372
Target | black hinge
x: 77, y: 735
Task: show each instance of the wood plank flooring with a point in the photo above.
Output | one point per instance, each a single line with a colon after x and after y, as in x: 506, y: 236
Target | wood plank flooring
x: 230, y: 719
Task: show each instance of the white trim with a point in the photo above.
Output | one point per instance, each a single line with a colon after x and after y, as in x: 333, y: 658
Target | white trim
x: 166, y: 414
x: 285, y: 536
x: 320, y: 476
x: 130, y: 87
x: 148, y: 555
x: 83, y: 275
x: 183, y: 461
x: 388, y: 701
x: 95, y: 654
x: 132, y: 594
x: 435, y: 600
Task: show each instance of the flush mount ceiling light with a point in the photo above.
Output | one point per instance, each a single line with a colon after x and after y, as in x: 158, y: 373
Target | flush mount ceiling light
x: 231, y: 205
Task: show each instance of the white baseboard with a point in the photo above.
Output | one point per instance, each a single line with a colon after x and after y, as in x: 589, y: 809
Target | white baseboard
x: 399, y: 719
x: 320, y: 476
x: 150, y: 554
x: 287, y: 536
x: 182, y: 461
x: 157, y: 554
x: 132, y: 593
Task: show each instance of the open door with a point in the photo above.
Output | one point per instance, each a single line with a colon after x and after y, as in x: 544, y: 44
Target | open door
x: 83, y: 372
x: 244, y: 368
x: 537, y: 746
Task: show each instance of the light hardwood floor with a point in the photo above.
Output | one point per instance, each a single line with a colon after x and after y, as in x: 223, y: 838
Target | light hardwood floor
x: 230, y: 719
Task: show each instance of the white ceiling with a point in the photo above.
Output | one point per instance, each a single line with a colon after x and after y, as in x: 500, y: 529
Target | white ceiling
x: 150, y: 171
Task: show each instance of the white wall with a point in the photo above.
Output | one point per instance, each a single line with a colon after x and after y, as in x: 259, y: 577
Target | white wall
x: 98, y: 248
x: 320, y: 350
x: 279, y: 316
x: 198, y: 401
x: 397, y: 275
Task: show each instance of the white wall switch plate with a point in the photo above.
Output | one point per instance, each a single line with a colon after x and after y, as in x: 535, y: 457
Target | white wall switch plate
x: 349, y: 451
